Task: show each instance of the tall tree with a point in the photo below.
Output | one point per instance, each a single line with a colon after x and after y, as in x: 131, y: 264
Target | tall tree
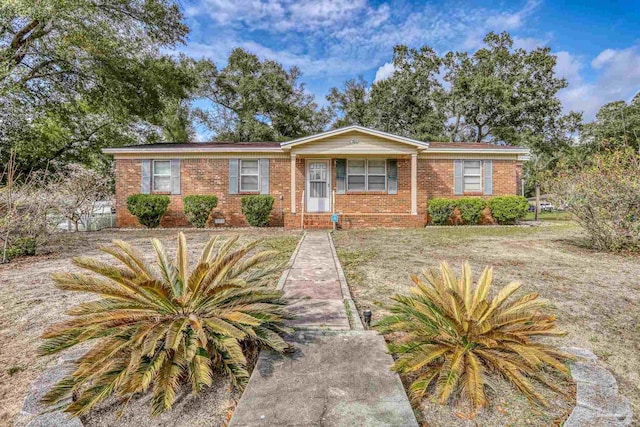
x: 500, y: 93
x: 79, y: 76
x: 352, y: 103
x: 497, y: 94
x: 254, y: 100
x: 617, y: 124
x: 403, y: 103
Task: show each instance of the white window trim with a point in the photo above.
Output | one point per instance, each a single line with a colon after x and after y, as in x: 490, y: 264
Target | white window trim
x: 464, y: 175
x: 366, y: 176
x: 240, y: 175
x: 154, y: 175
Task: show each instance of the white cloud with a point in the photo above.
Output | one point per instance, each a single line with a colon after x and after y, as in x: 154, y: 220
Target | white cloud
x: 617, y: 77
x: 512, y: 20
x: 498, y: 22
x: 384, y: 72
x: 339, y: 37
x: 568, y: 66
x: 344, y: 38
x: 280, y: 15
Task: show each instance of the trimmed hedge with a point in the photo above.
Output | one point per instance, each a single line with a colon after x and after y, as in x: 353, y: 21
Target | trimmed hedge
x: 508, y: 209
x: 148, y: 208
x: 197, y: 208
x: 471, y: 209
x: 440, y: 210
x: 257, y: 209
x: 504, y: 209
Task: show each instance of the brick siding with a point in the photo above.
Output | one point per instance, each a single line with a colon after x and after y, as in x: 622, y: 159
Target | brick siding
x: 359, y: 209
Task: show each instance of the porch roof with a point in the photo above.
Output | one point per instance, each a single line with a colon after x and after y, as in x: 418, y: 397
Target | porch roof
x: 420, y: 145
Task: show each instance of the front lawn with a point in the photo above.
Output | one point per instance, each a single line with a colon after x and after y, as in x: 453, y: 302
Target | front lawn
x: 29, y: 302
x: 549, y: 216
x: 595, y: 295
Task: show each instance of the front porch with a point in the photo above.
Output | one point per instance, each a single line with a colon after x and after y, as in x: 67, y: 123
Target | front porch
x: 364, y: 191
x: 364, y: 176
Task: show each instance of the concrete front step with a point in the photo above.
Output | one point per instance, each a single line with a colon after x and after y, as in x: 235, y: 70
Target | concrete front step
x: 332, y: 379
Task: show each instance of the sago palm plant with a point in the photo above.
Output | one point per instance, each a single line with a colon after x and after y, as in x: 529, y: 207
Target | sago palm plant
x: 159, y: 328
x: 451, y: 335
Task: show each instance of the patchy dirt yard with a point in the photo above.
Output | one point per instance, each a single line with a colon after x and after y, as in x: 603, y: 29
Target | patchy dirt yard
x: 29, y: 302
x: 595, y: 295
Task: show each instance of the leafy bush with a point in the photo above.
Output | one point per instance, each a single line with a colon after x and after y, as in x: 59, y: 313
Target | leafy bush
x: 149, y: 208
x: 440, y: 210
x: 21, y: 246
x: 508, y: 209
x: 197, y: 208
x: 603, y: 196
x: 256, y: 209
x: 165, y: 326
x: 455, y: 334
x: 471, y: 209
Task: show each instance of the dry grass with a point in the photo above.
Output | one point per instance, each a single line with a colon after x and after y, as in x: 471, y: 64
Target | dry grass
x: 29, y: 302
x: 595, y: 295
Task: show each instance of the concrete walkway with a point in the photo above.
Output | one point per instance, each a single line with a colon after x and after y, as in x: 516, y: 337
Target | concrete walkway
x: 339, y: 374
x: 313, y: 285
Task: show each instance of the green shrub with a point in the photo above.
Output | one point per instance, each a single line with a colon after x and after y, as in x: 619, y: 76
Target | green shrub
x: 440, y: 210
x: 148, y: 208
x: 22, y: 246
x: 197, y: 208
x: 256, y: 209
x: 508, y: 209
x: 471, y: 209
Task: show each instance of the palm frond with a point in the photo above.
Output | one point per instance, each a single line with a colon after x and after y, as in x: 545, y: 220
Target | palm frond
x: 158, y: 328
x: 453, y: 335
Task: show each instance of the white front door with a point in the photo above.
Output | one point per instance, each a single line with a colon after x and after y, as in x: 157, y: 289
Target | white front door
x: 318, y: 186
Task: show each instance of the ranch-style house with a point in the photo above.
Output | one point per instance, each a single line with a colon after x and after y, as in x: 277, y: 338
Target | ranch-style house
x: 368, y: 177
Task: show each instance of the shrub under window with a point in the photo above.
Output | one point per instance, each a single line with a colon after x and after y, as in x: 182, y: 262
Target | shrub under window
x: 257, y: 209
x: 197, y: 208
x: 508, y: 209
x: 471, y: 209
x: 148, y: 208
x: 440, y: 210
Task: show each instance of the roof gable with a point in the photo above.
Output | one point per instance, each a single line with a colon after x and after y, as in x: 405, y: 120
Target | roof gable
x: 420, y: 145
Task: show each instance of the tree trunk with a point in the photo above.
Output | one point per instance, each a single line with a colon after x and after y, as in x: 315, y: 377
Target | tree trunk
x: 454, y: 131
x: 537, y: 201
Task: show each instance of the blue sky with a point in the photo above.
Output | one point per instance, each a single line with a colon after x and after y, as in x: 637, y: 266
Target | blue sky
x: 597, y: 43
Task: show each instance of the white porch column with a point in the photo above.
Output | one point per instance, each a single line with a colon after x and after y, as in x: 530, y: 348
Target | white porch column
x: 414, y: 184
x: 293, y: 183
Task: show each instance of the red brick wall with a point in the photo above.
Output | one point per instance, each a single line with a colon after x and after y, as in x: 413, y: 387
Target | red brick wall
x: 381, y: 201
x: 202, y: 176
x: 439, y: 178
x: 348, y: 221
x: 210, y: 176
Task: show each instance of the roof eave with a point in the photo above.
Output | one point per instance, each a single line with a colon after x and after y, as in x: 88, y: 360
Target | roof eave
x: 140, y: 149
x: 520, y: 151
